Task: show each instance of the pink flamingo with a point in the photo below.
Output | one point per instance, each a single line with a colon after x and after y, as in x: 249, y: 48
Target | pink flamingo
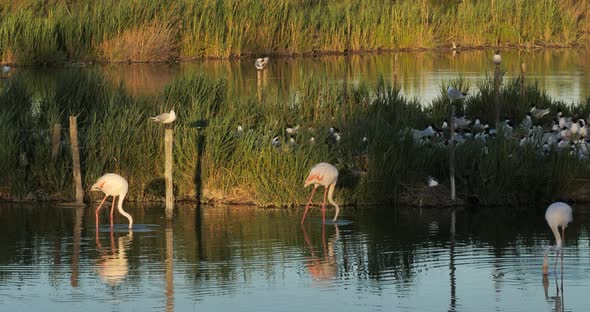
x: 557, y: 215
x: 325, y: 175
x: 112, y: 184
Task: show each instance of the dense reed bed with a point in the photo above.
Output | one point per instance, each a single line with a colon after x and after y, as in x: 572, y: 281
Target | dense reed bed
x: 216, y: 162
x: 33, y: 32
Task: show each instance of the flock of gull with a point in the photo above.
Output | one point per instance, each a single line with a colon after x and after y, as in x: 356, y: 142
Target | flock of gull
x: 565, y: 133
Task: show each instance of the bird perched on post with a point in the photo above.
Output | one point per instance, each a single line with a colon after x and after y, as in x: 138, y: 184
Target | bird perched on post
x: 165, y: 118
x: 497, y: 57
x: 326, y: 175
x: 260, y: 63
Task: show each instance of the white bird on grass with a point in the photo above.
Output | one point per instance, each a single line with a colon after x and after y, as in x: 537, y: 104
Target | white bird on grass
x: 292, y: 130
x: 461, y: 122
x: 563, y: 121
x: 455, y: 94
x: 477, y: 126
x: 5, y: 69
x: 527, y: 122
x: 539, y: 113
x: 260, y: 63
x: 583, y: 130
x: 418, y: 134
x: 326, y: 175
x: 165, y: 118
x: 574, y: 127
x: 432, y: 182
x: 558, y: 215
x: 276, y: 142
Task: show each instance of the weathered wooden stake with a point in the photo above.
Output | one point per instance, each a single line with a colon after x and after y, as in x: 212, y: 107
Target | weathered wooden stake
x: 452, y: 152
x: 76, y: 159
x: 168, y: 142
x: 259, y: 84
x: 55, y: 141
x: 522, y: 78
x: 497, y: 94
x: 395, y: 71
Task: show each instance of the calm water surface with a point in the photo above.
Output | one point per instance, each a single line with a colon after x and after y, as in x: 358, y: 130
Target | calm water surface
x: 564, y: 74
x: 251, y: 259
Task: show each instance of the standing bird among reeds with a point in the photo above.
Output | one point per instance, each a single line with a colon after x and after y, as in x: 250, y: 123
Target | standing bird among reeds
x: 261, y: 63
x: 326, y: 175
x: 112, y: 184
x: 455, y: 94
x: 165, y: 118
x: 527, y: 122
x: 5, y: 69
x: 539, y: 113
x: 558, y: 214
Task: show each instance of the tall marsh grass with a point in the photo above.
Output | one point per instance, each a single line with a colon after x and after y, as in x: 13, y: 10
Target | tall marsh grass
x: 33, y: 32
x: 217, y: 163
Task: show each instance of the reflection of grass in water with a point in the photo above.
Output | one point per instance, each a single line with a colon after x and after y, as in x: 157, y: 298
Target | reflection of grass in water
x: 116, y: 135
x: 48, y: 33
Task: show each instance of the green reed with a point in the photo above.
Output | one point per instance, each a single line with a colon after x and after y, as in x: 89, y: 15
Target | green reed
x: 41, y: 33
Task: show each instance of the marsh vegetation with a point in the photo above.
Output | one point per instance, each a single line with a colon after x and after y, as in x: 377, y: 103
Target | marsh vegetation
x: 46, y: 32
x: 224, y: 149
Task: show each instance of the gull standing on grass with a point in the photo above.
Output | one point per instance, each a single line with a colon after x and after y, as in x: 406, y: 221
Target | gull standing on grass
x: 165, y: 118
x: 455, y: 94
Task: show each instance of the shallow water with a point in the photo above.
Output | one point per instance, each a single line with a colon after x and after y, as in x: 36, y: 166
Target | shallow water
x: 564, y: 74
x: 252, y: 259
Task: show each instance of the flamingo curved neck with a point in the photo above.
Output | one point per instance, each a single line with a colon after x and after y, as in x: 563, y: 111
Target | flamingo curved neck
x: 555, y: 231
x: 120, y: 207
x: 331, y: 200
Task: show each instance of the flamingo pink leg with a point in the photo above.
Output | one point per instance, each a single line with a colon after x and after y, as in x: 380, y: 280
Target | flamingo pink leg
x: 112, y: 209
x: 563, y: 243
x: 324, y: 206
x: 98, y: 208
x: 308, y: 204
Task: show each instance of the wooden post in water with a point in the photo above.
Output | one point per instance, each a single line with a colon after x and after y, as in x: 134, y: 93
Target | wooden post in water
x: 395, y: 71
x: 452, y: 152
x: 168, y: 143
x: 522, y: 76
x: 76, y: 159
x: 55, y: 141
x: 497, y: 94
x: 259, y: 85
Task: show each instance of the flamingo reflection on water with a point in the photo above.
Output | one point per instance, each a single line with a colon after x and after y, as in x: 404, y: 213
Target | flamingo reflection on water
x: 322, y: 268
x: 326, y: 175
x: 112, y: 184
x: 113, y: 266
x: 557, y: 215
